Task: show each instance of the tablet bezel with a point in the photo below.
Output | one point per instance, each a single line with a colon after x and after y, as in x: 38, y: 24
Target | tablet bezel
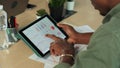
x: 31, y: 45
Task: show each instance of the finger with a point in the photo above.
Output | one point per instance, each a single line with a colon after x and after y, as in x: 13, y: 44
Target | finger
x: 62, y: 25
x: 52, y: 51
x: 71, y: 41
x: 65, y: 27
x: 51, y: 43
x: 52, y: 37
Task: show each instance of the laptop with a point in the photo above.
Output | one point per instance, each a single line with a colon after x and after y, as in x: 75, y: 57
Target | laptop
x: 14, y: 7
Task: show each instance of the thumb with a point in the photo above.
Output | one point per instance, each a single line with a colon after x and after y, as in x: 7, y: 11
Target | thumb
x: 62, y: 25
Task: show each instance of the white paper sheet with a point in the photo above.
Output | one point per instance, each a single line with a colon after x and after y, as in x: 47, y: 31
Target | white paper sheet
x: 48, y: 61
x: 51, y: 61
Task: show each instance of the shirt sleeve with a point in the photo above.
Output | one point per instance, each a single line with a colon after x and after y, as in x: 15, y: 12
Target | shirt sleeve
x: 102, y: 53
x: 62, y: 65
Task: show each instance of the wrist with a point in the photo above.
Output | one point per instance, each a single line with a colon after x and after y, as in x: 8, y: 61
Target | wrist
x: 83, y: 38
x: 77, y: 38
x: 67, y: 58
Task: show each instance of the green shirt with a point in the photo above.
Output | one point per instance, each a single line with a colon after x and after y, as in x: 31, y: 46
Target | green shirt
x: 104, y: 48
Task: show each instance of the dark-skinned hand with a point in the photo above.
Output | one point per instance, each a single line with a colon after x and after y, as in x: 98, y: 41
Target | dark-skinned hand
x: 60, y: 46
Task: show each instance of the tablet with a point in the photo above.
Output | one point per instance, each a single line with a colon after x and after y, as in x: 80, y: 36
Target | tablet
x: 34, y: 34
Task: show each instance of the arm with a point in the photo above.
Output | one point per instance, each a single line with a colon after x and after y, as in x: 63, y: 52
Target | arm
x: 82, y: 38
x: 68, y: 58
x: 101, y: 53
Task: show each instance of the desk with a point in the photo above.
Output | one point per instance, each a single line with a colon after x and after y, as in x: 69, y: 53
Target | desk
x: 17, y: 55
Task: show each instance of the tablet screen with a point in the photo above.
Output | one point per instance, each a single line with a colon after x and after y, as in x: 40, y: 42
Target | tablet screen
x: 36, y: 33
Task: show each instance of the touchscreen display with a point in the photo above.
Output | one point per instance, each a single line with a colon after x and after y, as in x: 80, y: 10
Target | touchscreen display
x: 36, y: 34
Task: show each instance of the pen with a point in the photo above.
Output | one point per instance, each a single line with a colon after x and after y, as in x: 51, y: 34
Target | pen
x: 15, y: 23
x: 12, y: 21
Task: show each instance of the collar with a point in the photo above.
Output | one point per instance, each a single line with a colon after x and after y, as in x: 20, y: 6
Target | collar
x: 111, y: 13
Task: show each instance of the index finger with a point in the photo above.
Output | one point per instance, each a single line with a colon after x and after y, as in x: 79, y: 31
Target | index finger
x: 52, y: 37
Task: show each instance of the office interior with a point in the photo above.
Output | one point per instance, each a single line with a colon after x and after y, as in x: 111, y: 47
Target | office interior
x: 17, y: 55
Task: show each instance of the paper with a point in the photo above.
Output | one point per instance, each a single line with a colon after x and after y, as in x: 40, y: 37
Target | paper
x: 81, y: 29
x: 51, y: 61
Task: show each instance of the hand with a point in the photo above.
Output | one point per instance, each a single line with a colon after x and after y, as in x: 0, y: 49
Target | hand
x: 70, y: 32
x: 75, y: 37
x: 60, y: 46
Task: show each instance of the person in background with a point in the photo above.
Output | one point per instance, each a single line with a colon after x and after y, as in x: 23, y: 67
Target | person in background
x: 103, y: 49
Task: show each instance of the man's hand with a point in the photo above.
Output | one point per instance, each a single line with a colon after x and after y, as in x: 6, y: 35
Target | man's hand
x: 60, y: 46
x: 75, y: 37
x: 70, y: 32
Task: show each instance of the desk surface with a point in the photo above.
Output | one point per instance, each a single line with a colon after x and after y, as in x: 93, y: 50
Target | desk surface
x: 17, y: 55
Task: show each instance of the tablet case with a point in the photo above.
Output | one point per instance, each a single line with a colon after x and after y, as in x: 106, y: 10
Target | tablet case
x: 30, y: 46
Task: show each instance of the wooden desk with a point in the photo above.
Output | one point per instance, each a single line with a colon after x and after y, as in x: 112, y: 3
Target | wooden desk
x: 17, y: 55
